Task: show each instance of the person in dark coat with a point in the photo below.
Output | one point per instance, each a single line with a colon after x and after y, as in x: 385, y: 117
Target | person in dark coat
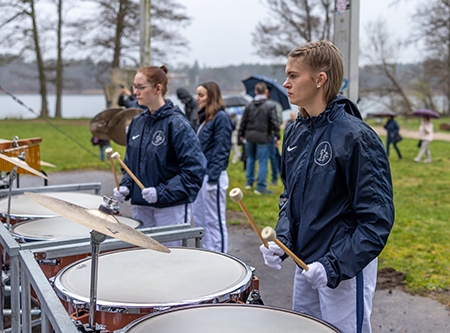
x: 214, y: 133
x: 392, y: 129
x: 190, y: 106
x: 164, y: 153
x: 336, y: 210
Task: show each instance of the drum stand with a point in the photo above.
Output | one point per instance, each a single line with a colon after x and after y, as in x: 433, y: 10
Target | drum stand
x: 96, y: 239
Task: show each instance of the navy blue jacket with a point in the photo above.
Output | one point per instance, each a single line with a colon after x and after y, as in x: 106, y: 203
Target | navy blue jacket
x: 337, y: 205
x: 164, y: 152
x: 215, y: 140
x: 392, y: 130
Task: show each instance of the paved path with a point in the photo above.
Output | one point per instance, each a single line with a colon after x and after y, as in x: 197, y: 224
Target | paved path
x: 412, y: 134
x: 393, y: 310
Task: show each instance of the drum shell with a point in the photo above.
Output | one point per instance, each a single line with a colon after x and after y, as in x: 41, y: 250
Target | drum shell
x: 160, y: 291
x: 228, y: 318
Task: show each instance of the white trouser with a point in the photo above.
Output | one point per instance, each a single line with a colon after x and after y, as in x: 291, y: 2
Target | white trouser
x: 338, y: 306
x: 209, y: 213
x: 155, y: 217
x: 424, y: 149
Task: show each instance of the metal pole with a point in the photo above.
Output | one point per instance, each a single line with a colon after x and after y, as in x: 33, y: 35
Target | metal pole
x: 146, y: 32
x: 346, y: 38
x: 96, y: 239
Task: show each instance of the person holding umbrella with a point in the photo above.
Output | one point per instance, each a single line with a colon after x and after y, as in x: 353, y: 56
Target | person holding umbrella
x: 426, y: 136
x: 336, y: 210
x: 393, y: 135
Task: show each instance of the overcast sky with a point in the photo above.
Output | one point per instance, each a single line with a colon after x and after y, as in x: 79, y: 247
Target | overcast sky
x: 220, y: 32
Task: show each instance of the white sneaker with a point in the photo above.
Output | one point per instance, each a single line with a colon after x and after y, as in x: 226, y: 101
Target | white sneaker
x: 416, y: 160
x: 248, y: 187
x: 427, y: 161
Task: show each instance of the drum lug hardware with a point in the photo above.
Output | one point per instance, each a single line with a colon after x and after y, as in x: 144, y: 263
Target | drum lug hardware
x: 40, y: 255
x: 85, y: 328
x: 255, y: 298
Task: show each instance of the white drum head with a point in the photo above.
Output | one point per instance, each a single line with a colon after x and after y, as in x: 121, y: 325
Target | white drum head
x: 24, y: 208
x: 141, y: 278
x: 228, y: 318
x: 57, y: 228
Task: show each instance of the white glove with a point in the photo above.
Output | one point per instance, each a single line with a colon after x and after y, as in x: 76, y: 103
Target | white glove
x: 121, y: 193
x: 316, y: 275
x: 211, y: 187
x: 149, y: 195
x: 272, y: 255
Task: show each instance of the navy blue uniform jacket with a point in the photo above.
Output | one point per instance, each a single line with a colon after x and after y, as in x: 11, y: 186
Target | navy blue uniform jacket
x: 337, y: 206
x: 164, y: 152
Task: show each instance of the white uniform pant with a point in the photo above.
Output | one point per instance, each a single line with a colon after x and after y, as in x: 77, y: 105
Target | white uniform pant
x: 209, y: 213
x: 339, y: 306
x: 155, y: 217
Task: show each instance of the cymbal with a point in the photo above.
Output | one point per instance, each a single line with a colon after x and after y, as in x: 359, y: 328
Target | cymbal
x: 43, y: 163
x: 117, y: 126
x: 24, y: 165
x: 99, y: 124
x: 99, y: 221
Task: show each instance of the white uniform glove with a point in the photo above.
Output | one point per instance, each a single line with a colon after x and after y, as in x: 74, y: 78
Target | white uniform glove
x: 272, y: 255
x: 149, y: 195
x: 316, y: 275
x: 121, y: 193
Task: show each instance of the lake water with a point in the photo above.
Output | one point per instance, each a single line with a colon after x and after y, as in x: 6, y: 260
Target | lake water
x: 87, y: 106
x: 73, y: 106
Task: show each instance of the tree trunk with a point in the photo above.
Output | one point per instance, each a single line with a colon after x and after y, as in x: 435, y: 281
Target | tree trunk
x: 118, y: 35
x: 40, y: 63
x: 59, y: 65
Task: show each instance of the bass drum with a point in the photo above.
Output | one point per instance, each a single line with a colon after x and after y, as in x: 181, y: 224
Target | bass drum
x: 228, y: 318
x: 132, y: 283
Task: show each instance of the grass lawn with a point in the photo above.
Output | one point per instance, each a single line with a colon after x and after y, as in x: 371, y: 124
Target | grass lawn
x: 418, y: 245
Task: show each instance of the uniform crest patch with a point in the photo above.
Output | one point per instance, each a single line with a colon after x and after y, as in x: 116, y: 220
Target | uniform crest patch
x: 323, y: 153
x: 158, y: 138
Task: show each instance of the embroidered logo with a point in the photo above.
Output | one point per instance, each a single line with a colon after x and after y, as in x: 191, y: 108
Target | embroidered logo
x: 134, y: 137
x: 158, y: 138
x: 323, y: 153
x: 291, y: 148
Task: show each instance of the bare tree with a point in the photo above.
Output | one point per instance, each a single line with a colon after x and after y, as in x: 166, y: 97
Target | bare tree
x: 21, y: 19
x: 382, y: 51
x: 432, y: 22
x: 292, y: 22
x: 115, y: 38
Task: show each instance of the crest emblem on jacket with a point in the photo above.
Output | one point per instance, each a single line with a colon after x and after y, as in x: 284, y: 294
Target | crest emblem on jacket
x: 158, y: 138
x: 323, y: 153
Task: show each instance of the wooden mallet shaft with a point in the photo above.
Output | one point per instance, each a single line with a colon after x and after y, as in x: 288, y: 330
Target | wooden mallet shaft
x: 270, y: 235
x: 116, y: 156
x: 236, y: 195
x: 109, y: 152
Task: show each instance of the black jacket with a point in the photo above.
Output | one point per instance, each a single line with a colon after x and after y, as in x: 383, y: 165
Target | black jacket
x: 190, y: 106
x: 260, y: 122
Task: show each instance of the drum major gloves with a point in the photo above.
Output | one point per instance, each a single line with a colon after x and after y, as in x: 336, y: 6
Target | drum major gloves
x: 149, y: 195
x: 272, y: 255
x: 316, y: 275
x: 121, y: 193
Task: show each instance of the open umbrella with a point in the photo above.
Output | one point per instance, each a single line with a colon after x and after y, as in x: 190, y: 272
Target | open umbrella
x: 426, y: 113
x: 385, y: 113
x: 235, y: 100
x: 277, y: 91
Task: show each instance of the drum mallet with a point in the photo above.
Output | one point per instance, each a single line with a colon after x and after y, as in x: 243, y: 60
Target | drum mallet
x: 109, y: 152
x: 236, y: 195
x: 116, y: 156
x: 268, y: 234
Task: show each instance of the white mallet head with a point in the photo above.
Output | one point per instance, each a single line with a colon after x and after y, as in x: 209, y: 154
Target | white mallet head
x: 236, y: 194
x: 268, y: 234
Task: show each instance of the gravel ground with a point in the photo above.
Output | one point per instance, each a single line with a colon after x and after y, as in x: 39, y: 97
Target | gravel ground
x: 393, y: 309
